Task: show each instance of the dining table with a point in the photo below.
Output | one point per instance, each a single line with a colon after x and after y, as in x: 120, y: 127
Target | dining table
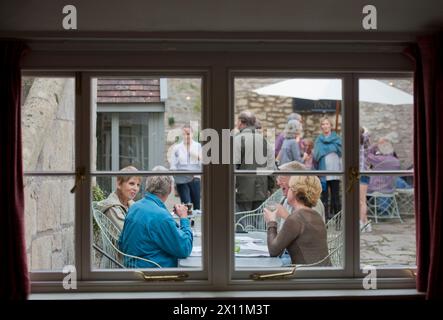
x: 250, y: 251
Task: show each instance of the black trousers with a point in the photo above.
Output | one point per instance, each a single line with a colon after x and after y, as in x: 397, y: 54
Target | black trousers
x: 333, y: 206
x: 190, y: 192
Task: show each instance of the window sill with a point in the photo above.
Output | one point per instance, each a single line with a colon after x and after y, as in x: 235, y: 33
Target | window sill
x: 287, y: 294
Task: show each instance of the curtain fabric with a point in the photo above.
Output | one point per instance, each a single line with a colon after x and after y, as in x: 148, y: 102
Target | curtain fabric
x: 14, y: 277
x: 427, y: 55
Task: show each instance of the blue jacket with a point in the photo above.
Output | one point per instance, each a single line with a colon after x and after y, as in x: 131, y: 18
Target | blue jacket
x: 150, y: 232
x: 325, y: 145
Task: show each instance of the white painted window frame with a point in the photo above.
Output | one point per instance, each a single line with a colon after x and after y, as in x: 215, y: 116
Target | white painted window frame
x: 217, y: 72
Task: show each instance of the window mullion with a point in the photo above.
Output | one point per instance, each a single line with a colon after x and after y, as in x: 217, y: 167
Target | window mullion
x: 83, y: 159
x: 351, y: 136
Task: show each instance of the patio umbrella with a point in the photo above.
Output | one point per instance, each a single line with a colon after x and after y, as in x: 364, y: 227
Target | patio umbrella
x: 370, y: 90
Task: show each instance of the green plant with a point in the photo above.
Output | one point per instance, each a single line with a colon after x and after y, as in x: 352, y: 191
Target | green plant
x: 197, y: 106
x: 171, y: 121
x: 97, y: 193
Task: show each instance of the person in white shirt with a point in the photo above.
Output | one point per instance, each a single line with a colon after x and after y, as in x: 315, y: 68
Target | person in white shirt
x: 186, y: 156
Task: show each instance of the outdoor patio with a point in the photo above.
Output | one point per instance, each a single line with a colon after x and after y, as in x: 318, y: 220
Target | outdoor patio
x: 390, y: 243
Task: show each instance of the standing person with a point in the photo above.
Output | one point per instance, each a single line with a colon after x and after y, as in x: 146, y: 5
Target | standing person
x: 308, y: 157
x: 116, y: 205
x: 327, y: 153
x: 251, y: 152
x: 365, y: 226
x: 187, y: 156
x: 281, y: 137
x: 290, y: 149
x: 150, y: 232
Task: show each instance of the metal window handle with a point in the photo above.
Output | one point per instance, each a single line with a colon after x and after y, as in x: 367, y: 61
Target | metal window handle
x: 80, y: 176
x: 354, y: 177
x: 274, y: 276
x: 170, y: 277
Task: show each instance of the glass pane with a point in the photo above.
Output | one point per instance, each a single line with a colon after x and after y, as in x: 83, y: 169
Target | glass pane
x: 303, y: 233
x: 299, y: 118
x: 48, y: 109
x: 297, y: 124
x: 49, y: 222
x: 387, y: 221
x: 139, y: 121
x: 387, y: 231
x: 141, y: 124
x: 147, y: 239
x: 386, y: 123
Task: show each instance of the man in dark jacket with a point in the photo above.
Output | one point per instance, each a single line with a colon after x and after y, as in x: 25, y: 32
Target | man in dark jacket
x: 251, y: 152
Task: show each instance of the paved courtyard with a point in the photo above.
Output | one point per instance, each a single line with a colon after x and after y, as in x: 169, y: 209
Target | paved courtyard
x: 390, y: 243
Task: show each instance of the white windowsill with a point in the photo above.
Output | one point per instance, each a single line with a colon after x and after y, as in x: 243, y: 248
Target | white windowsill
x: 322, y: 294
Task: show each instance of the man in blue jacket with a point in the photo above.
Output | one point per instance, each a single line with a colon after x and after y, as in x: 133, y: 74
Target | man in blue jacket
x: 150, y: 231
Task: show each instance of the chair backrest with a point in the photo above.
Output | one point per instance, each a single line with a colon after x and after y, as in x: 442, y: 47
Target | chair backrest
x: 109, y: 235
x: 253, y: 220
x: 405, y: 201
x: 382, y: 205
x: 335, y: 238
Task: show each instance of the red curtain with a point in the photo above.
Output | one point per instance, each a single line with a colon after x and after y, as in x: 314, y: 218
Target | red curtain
x: 427, y: 55
x: 14, y: 278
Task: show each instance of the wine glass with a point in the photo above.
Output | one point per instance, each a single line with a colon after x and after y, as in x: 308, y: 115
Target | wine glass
x: 271, y: 205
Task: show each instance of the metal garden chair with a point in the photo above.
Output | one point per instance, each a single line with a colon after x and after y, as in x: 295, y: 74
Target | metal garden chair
x: 109, y: 235
x: 253, y: 220
x: 382, y: 206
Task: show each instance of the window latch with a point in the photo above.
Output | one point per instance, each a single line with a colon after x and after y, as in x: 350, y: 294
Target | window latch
x: 274, y: 276
x: 80, y: 176
x: 169, y: 277
x: 354, y: 177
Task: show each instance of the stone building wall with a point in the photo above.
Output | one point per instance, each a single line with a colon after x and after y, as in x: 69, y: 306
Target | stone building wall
x: 393, y: 122
x: 48, y: 145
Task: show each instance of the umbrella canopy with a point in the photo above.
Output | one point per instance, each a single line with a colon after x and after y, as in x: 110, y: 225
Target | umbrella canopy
x: 331, y: 89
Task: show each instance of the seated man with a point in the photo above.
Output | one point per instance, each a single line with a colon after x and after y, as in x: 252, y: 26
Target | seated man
x: 151, y: 232
x: 381, y: 156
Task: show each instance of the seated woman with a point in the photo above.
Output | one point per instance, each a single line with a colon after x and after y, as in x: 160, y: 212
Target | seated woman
x: 303, y: 233
x: 116, y: 205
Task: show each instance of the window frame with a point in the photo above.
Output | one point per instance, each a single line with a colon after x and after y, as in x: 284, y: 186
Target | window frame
x: 129, y: 276
x: 313, y: 273
x: 216, y: 96
x: 385, y: 271
x: 350, y: 203
x: 56, y: 275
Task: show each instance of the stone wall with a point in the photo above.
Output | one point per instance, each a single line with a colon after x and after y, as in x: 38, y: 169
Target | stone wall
x: 48, y: 145
x: 394, y: 122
